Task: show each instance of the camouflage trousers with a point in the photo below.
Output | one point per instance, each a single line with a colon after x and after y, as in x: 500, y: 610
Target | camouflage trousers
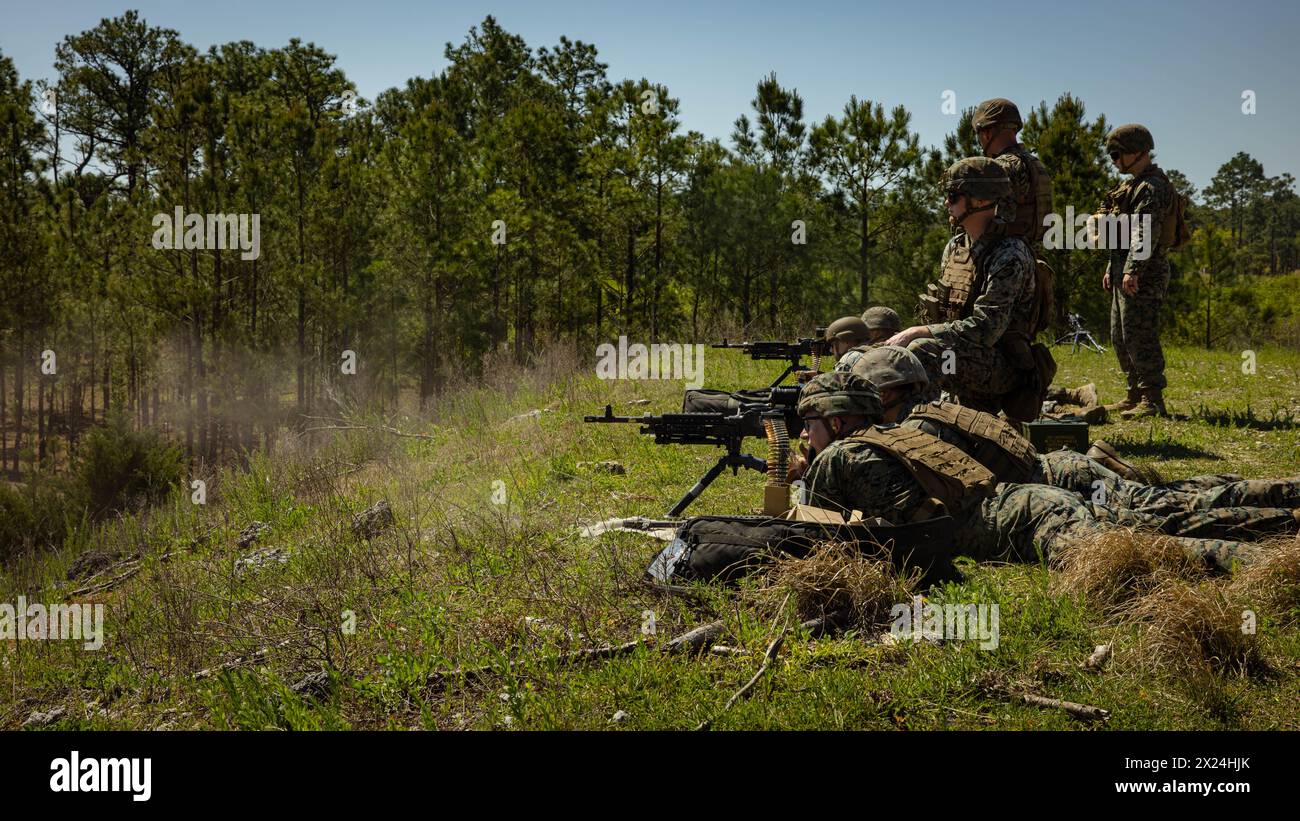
x: 980, y: 376
x: 1027, y: 523
x: 1222, y: 506
x: 1135, y: 333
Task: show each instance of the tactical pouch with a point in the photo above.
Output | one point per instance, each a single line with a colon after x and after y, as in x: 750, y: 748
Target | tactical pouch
x: 1025, y: 403
x: 725, y: 548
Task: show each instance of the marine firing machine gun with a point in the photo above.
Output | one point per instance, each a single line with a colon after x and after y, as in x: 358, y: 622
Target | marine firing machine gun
x: 719, y: 430
x: 793, y: 352
x: 1079, y: 334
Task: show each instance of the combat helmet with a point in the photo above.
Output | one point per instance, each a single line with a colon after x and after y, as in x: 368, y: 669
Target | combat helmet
x: 848, y: 329
x: 880, y: 318
x: 999, y: 112
x: 839, y: 393
x: 1131, y: 138
x: 978, y: 177
x: 890, y: 366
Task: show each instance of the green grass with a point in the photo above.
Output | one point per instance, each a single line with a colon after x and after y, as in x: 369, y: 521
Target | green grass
x: 462, y: 582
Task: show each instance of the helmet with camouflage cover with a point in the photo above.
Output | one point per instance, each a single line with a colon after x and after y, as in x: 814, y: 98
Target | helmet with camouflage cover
x: 880, y: 318
x: 848, y: 329
x: 840, y: 394
x: 977, y: 177
x: 999, y: 112
x: 1130, y: 139
x: 890, y: 366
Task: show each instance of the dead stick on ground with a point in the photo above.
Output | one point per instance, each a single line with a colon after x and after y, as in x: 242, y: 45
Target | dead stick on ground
x: 701, y: 638
x: 743, y: 692
x: 768, y: 657
x: 342, y: 424
x: 1085, y: 712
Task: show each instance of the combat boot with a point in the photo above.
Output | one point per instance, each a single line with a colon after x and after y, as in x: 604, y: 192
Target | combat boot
x: 1102, y: 451
x: 1094, y: 415
x: 1127, y: 403
x: 1152, y: 404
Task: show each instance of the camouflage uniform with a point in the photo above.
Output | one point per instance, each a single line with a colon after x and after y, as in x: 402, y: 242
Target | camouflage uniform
x: 1241, y: 507
x: 1019, y: 522
x: 852, y: 356
x: 1135, y: 320
x: 851, y: 475
x: 1015, y: 160
x: 1032, y: 522
x: 1021, y: 210
x: 981, y: 371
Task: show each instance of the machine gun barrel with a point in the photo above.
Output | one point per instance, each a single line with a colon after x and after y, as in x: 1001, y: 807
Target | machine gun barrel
x: 781, y: 351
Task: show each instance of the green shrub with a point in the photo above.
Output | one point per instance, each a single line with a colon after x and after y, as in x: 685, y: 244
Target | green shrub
x: 32, y: 515
x: 121, y: 468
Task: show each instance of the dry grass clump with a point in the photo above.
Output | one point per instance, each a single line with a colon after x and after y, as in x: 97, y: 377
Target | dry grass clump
x: 1112, y: 566
x: 1272, y: 580
x: 1194, y: 629
x: 837, y: 577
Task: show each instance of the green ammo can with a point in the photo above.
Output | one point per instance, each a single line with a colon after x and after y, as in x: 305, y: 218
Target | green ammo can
x: 1048, y: 434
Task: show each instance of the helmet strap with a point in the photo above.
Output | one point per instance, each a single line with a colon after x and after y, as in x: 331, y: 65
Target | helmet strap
x: 972, y: 210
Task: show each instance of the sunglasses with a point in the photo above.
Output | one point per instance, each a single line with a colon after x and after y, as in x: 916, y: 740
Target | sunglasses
x: 1114, y: 155
x: 952, y: 197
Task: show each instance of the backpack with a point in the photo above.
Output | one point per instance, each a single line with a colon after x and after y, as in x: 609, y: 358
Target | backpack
x: 1174, y: 231
x: 726, y: 548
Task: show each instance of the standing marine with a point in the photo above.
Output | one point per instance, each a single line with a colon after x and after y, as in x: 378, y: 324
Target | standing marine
x: 1021, y: 213
x: 1138, y: 273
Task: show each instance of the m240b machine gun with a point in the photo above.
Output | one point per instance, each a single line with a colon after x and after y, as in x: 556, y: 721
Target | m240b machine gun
x: 789, y: 352
x: 719, y: 430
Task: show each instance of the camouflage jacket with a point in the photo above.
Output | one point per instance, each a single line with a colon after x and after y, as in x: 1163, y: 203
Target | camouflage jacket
x: 853, y: 475
x: 1007, y: 295
x: 1149, y: 193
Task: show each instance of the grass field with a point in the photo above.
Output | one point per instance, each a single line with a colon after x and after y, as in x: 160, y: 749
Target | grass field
x: 485, y: 565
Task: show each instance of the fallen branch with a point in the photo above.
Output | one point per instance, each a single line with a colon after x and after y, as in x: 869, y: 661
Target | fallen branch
x: 694, y: 641
x: 1098, y: 658
x: 743, y: 692
x: 994, y: 684
x: 825, y: 625
x: 724, y: 650
x: 343, y: 424
x: 108, y: 585
x: 239, y: 662
x: 1085, y: 712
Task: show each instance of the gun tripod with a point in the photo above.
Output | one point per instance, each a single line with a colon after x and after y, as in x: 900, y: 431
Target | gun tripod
x: 1079, y: 335
x: 734, y: 460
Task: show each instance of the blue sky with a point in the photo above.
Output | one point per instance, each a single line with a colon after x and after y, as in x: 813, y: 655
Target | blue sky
x: 1178, y: 67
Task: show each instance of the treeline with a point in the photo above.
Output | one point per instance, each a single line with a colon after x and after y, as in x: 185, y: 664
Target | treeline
x: 519, y: 198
